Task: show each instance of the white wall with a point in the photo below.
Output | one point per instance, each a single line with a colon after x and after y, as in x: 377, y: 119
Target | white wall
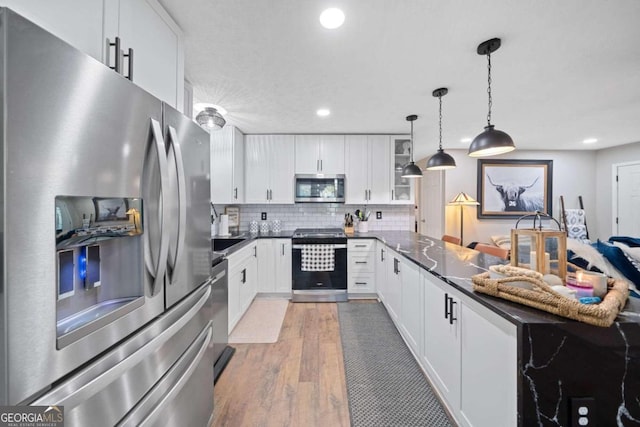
x: 573, y: 175
x: 605, y: 159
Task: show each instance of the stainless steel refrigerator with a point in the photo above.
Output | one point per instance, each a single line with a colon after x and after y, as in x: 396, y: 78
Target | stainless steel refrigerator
x: 106, y: 274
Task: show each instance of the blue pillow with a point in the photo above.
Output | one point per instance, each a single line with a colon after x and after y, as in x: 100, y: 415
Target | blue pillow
x: 629, y: 241
x: 617, y: 257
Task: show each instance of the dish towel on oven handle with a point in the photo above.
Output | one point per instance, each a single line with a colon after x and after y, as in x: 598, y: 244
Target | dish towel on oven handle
x: 318, y: 257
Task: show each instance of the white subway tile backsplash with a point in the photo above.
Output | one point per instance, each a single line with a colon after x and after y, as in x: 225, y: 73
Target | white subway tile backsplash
x: 394, y: 217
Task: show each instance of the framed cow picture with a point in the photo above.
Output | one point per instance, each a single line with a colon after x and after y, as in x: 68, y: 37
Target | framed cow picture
x: 512, y: 188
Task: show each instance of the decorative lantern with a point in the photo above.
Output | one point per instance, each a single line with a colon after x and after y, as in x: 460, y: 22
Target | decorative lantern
x: 540, y: 249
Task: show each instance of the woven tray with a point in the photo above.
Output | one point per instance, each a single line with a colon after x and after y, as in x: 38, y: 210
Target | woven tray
x: 544, y: 298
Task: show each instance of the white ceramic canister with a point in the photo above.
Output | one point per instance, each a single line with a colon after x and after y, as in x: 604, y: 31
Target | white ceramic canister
x: 253, y: 227
x: 264, y: 227
x: 276, y: 226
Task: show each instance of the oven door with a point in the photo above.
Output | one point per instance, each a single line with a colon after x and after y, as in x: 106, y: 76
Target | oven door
x: 317, y: 286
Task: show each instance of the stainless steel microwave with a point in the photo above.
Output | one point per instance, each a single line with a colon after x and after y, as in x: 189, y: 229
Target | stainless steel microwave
x: 319, y: 188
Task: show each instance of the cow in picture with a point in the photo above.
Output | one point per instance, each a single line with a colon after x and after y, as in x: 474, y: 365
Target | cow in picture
x: 515, y: 201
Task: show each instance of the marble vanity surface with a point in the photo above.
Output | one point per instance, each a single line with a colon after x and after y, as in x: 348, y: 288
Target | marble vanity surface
x: 456, y: 264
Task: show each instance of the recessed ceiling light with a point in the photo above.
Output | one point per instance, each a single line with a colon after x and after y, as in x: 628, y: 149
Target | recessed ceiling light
x: 332, y: 18
x: 202, y: 105
x: 323, y: 112
x: 466, y: 140
x: 590, y: 141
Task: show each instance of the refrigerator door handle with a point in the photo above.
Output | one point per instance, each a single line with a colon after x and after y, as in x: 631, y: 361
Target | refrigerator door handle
x: 158, y: 268
x: 176, y: 153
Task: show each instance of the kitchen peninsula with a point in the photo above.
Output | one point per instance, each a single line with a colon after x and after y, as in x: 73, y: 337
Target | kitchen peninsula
x: 492, y: 361
x: 558, y: 360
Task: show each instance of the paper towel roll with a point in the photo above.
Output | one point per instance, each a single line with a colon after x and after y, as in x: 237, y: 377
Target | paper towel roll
x: 223, y: 227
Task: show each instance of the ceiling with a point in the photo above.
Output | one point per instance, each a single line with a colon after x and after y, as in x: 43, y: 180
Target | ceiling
x: 567, y: 69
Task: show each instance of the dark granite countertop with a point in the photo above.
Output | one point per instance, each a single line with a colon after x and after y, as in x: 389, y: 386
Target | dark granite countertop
x: 456, y: 264
x: 453, y: 264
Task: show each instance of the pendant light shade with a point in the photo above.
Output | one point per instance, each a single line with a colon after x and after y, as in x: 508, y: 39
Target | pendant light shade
x: 491, y: 142
x: 210, y: 118
x: 440, y: 160
x: 411, y: 170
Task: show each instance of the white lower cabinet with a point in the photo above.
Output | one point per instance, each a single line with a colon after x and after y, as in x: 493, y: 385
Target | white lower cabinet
x: 393, y: 288
x: 243, y: 282
x: 411, y: 313
x: 381, y: 269
x: 274, y: 265
x: 441, y: 355
x: 488, y: 369
x: 361, y: 266
x: 468, y: 351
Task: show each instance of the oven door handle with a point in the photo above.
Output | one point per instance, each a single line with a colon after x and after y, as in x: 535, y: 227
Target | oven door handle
x: 334, y: 246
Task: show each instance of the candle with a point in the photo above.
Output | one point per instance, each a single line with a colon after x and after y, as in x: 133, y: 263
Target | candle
x: 534, y: 262
x: 597, y: 281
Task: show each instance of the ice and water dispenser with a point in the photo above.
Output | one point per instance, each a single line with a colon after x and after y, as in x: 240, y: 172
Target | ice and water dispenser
x: 99, y: 263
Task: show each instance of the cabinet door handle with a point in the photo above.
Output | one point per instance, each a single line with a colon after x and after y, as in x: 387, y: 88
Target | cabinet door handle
x: 392, y: 196
x: 270, y: 194
x: 361, y: 246
x: 235, y: 193
x: 361, y: 283
x: 116, y: 45
x: 361, y: 262
x: 381, y: 254
x: 318, y: 165
x: 255, y: 251
x: 451, y: 316
x: 446, y: 306
x: 244, y: 276
x: 129, y: 56
x: 282, y: 244
x: 365, y: 194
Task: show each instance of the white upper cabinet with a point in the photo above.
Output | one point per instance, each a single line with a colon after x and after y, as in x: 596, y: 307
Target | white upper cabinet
x: 400, y: 155
x: 367, y: 163
x: 269, y: 169
x: 156, y: 40
x: 319, y: 154
x: 79, y: 23
x: 227, y: 166
x: 142, y: 25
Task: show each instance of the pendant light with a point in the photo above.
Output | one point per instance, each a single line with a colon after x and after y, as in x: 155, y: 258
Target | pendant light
x: 411, y: 170
x: 440, y: 160
x: 492, y: 141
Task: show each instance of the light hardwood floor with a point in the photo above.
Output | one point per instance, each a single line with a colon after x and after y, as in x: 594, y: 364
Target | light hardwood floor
x: 298, y: 381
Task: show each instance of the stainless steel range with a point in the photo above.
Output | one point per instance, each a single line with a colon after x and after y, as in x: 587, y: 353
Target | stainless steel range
x: 319, y: 265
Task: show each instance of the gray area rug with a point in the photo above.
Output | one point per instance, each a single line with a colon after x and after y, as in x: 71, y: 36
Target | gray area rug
x: 384, y: 382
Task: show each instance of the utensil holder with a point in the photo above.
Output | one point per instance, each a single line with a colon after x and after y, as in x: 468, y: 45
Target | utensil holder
x: 363, y: 227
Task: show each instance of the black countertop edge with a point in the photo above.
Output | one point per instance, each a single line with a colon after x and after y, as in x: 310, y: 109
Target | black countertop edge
x: 455, y: 265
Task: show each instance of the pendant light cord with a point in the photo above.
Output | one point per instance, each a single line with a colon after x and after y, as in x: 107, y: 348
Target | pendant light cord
x: 411, y: 141
x: 440, y: 123
x: 489, y: 88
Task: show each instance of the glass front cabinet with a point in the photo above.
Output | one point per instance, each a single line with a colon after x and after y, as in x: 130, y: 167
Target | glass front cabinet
x: 402, y: 189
